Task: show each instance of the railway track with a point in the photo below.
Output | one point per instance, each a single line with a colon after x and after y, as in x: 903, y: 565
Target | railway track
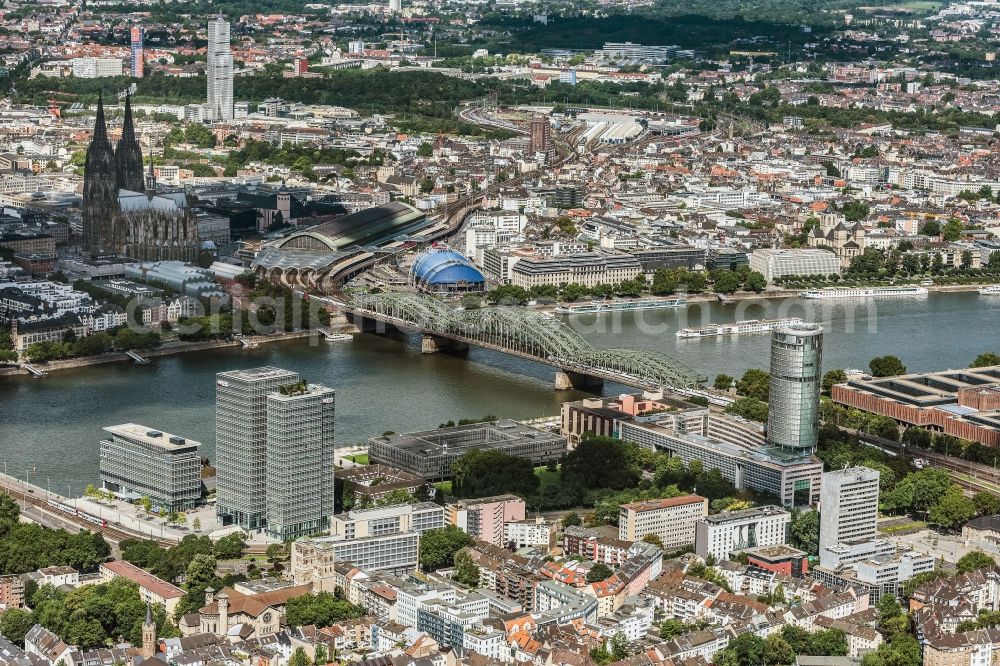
x: 110, y: 533
x: 973, y: 476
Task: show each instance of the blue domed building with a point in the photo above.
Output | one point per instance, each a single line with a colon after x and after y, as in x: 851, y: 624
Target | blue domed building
x: 441, y: 270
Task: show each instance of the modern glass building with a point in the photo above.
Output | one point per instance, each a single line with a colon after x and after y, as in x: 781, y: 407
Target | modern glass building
x: 241, y: 443
x: 796, y: 374
x: 137, y: 461
x: 300, y: 423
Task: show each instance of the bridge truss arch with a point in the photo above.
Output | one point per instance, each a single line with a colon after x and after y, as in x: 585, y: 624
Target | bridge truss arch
x: 525, y: 332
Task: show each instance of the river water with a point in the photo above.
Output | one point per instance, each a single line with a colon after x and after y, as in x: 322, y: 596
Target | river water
x: 51, y: 427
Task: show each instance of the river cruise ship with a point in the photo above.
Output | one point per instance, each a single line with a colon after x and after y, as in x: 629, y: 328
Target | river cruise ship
x: 746, y: 327
x: 621, y: 306
x: 862, y: 292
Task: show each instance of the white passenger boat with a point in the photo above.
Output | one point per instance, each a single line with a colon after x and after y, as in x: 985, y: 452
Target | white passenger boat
x: 862, y: 292
x: 746, y: 327
x: 621, y: 306
x: 989, y: 290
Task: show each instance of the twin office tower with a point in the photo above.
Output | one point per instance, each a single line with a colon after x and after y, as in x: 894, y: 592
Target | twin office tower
x: 274, y: 452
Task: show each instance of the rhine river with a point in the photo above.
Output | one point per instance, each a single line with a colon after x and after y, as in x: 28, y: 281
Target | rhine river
x: 51, y: 427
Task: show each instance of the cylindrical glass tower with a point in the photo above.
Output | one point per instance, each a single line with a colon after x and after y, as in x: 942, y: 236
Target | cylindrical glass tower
x: 793, y: 402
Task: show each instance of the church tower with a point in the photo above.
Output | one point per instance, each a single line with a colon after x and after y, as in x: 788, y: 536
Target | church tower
x: 100, y: 197
x: 128, y: 155
x: 149, y: 634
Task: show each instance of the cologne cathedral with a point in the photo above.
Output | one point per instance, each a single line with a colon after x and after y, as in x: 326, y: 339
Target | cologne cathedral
x: 124, y: 213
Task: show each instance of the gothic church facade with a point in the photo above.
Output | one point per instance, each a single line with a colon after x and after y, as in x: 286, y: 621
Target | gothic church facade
x: 123, y: 213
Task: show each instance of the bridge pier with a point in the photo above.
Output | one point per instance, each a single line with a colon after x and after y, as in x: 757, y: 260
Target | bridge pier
x: 566, y: 380
x: 433, y: 344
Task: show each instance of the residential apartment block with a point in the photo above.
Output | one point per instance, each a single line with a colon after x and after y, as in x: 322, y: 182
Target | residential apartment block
x: 485, y: 518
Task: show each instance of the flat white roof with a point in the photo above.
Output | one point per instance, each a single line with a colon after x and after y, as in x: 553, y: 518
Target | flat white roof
x: 151, y: 436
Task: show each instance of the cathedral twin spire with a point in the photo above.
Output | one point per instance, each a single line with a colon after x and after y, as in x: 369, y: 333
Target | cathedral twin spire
x: 126, y: 159
x: 128, y: 156
x: 106, y: 171
x: 113, y: 175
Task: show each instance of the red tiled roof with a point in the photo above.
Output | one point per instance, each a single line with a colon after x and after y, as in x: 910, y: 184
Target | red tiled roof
x: 157, y: 586
x: 653, y: 505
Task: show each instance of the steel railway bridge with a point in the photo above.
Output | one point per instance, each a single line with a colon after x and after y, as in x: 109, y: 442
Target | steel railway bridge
x: 524, y: 333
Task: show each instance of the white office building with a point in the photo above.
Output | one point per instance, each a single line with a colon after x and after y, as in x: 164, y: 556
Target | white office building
x: 728, y: 532
x: 586, y: 268
x: 379, y: 539
x: 219, y: 72
x: 95, y: 68
x: 849, y: 517
x: 672, y: 520
x: 776, y: 263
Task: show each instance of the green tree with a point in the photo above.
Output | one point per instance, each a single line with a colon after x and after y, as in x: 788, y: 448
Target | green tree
x: 200, y: 575
x: 887, y: 366
x: 747, y: 649
x: 200, y: 136
x: 723, y: 382
x: 507, y: 294
x: 986, y: 359
x: 654, y: 540
x: 749, y: 408
x: 665, y: 282
x: 15, y: 623
x: 599, y: 572
x: 425, y: 149
x: 601, y: 462
x: 931, y: 228
x: 986, y: 504
x: 480, y: 473
x: 754, y: 384
x: 275, y: 552
x: 831, y: 377
x: 571, y: 519
x: 929, y: 486
x: 619, y: 646
x: 10, y: 512
x: 777, y: 650
x: 974, y: 559
x: 755, y: 282
x: 804, y: 531
x: 321, y: 609
x: 438, y: 546
x: 952, y: 230
x: 726, y: 282
x: 230, y: 547
x: 902, y: 650
x: 953, y: 510
x: 466, y: 571
x: 299, y: 658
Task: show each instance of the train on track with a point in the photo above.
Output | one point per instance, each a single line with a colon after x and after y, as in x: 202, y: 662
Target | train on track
x: 66, y: 508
